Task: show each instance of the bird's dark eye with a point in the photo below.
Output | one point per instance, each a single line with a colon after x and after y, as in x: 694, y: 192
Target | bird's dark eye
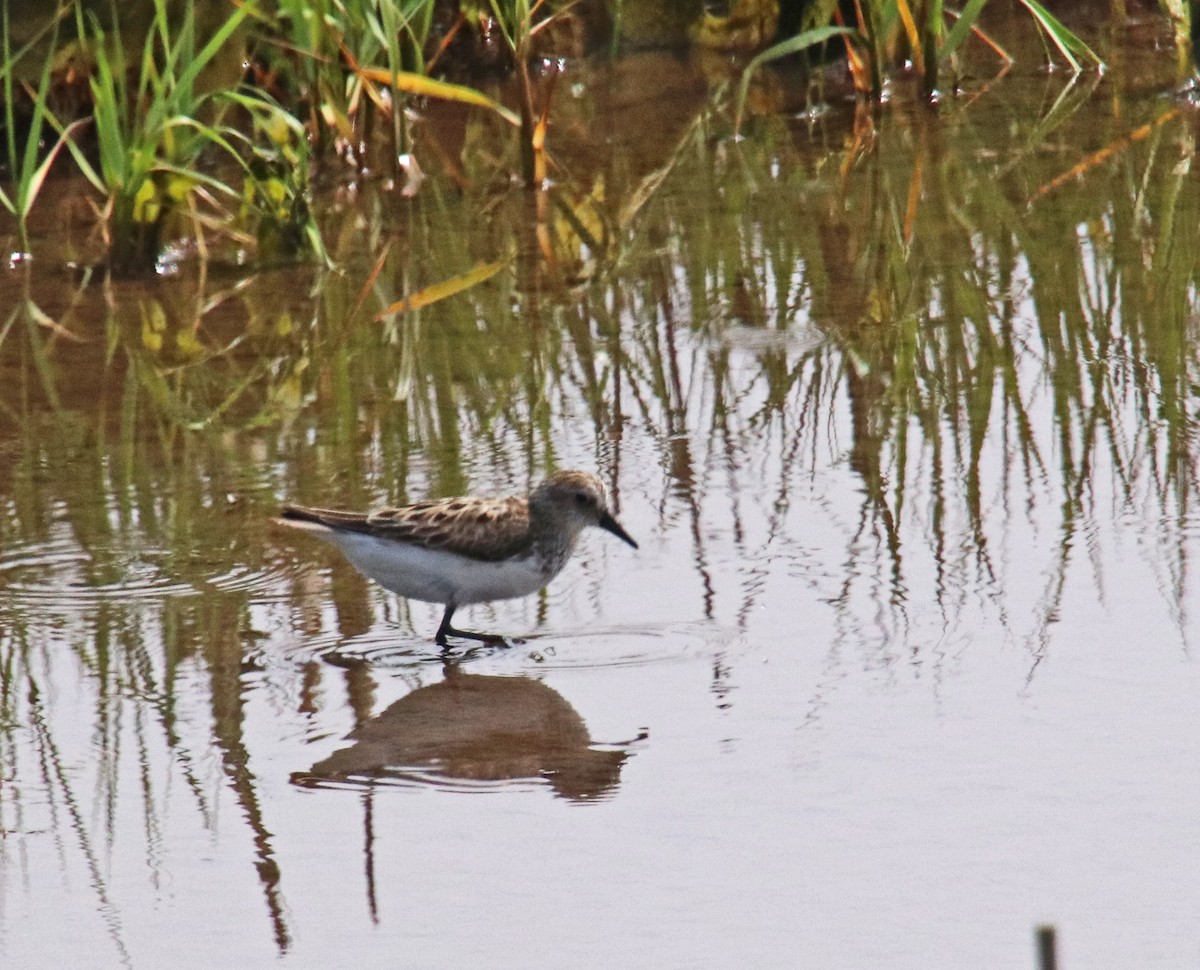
x: 581, y: 499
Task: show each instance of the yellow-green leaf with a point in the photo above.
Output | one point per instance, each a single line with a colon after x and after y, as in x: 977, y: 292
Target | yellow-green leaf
x: 429, y: 87
x: 447, y: 288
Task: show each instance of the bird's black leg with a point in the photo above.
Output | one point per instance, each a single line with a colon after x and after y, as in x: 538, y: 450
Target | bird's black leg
x: 446, y: 630
x: 440, y: 637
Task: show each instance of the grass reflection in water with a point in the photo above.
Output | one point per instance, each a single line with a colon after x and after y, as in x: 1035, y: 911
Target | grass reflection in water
x: 982, y: 396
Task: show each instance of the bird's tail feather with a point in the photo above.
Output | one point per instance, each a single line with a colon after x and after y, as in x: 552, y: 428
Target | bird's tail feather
x: 299, y: 516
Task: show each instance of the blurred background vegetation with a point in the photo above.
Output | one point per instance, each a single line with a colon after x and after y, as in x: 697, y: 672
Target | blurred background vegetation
x: 204, y: 123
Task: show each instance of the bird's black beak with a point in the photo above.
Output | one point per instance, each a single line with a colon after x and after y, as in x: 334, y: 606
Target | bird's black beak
x: 609, y: 524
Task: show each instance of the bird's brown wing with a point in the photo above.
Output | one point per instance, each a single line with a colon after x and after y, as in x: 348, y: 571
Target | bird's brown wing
x: 485, y: 529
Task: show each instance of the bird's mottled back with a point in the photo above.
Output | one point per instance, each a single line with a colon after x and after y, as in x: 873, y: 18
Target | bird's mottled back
x: 488, y: 529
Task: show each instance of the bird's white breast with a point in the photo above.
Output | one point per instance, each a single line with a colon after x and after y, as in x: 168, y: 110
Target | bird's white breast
x: 437, y: 576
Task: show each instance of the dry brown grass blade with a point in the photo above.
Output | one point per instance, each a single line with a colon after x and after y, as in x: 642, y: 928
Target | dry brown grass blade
x: 429, y: 87
x: 368, y: 283
x: 914, y: 200
x: 538, y: 138
x: 862, y: 141
x: 855, y: 62
x: 986, y: 38
x: 382, y: 104
x: 446, y: 41
x: 914, y: 37
x: 447, y: 288
x: 1103, y: 155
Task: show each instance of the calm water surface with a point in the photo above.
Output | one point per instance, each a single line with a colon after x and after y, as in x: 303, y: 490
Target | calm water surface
x: 903, y: 669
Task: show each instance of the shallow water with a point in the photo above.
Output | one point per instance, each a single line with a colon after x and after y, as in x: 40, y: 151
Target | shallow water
x: 902, y: 670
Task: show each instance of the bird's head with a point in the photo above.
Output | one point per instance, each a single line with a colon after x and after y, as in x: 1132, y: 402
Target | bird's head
x: 576, y: 499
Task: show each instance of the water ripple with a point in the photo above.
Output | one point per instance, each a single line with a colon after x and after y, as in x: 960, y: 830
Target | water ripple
x: 57, y: 571
x: 82, y: 594
x: 60, y: 570
x: 385, y: 647
x: 45, y: 555
x: 419, y: 777
x: 267, y: 582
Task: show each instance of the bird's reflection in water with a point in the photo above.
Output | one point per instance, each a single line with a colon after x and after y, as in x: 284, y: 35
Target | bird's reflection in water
x: 477, y: 732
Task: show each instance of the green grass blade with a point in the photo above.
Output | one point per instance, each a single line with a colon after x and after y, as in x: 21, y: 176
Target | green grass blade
x: 10, y: 124
x: 109, y: 109
x: 25, y: 171
x: 81, y: 160
x: 962, y: 28
x: 793, y: 45
x: 38, y: 176
x: 1067, y: 43
x: 209, y: 50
